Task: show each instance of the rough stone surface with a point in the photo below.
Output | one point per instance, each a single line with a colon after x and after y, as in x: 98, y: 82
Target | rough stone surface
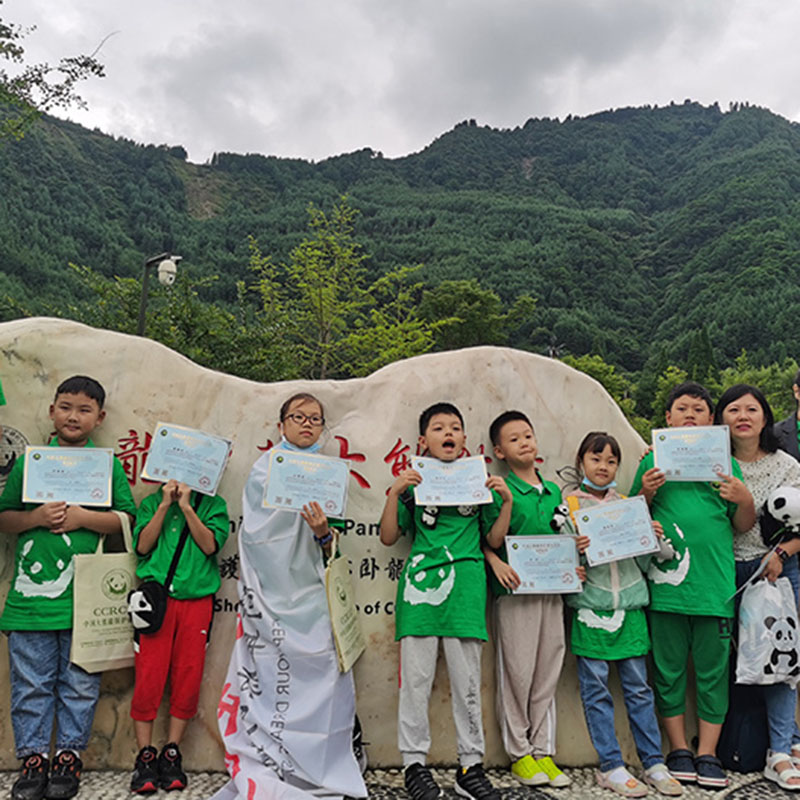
x: 371, y: 421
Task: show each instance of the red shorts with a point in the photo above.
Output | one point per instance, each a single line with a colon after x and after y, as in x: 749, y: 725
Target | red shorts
x: 177, y: 649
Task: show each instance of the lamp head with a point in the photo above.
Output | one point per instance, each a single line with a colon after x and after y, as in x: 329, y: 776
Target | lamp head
x: 167, y: 270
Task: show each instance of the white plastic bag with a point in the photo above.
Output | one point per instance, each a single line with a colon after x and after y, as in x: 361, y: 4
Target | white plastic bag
x: 768, y: 634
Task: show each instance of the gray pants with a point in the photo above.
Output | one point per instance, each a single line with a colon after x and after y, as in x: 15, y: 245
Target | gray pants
x: 529, y: 641
x: 418, y: 655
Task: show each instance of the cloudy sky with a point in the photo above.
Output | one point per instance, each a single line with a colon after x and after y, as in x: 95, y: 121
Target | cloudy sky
x: 314, y: 78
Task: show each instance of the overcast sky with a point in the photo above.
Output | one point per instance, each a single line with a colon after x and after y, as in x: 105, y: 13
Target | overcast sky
x: 314, y: 78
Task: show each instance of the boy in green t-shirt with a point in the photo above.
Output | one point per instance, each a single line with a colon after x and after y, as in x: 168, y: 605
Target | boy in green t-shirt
x: 38, y: 611
x: 178, y: 648
x: 441, y: 596
x: 529, y: 665
x: 690, y: 596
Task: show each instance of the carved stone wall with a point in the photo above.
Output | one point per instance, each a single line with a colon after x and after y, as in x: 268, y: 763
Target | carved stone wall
x: 373, y: 423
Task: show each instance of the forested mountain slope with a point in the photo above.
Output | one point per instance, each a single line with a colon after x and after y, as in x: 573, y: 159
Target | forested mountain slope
x: 632, y: 228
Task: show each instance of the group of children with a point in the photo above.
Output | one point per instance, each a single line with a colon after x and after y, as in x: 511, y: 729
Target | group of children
x: 441, y: 597
x: 686, y: 588
x: 45, y: 685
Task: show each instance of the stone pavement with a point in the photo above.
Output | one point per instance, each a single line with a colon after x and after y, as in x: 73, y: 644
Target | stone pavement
x: 384, y: 784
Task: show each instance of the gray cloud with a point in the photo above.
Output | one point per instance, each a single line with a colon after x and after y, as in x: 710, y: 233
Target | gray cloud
x: 313, y: 78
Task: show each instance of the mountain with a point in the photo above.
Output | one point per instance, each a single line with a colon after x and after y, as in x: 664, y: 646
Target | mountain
x: 633, y: 228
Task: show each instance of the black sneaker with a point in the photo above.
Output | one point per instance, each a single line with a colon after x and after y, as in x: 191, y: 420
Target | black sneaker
x: 145, y: 771
x: 710, y: 774
x: 65, y: 776
x: 170, y: 774
x: 420, y: 783
x: 680, y: 763
x: 472, y: 782
x: 32, y: 780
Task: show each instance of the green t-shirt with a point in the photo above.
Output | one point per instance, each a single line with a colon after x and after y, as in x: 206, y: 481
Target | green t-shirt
x: 2, y: 396
x: 40, y: 597
x: 702, y: 577
x: 531, y: 513
x: 610, y: 635
x: 197, y: 574
x: 442, y: 588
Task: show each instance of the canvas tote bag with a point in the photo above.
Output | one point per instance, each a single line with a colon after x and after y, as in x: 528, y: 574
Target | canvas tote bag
x: 347, y: 633
x: 102, y: 635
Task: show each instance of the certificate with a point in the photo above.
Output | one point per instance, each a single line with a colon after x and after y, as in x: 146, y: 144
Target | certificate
x: 545, y: 564
x: 617, y: 530
x: 693, y: 454
x: 79, y: 476
x: 451, y: 483
x: 186, y: 455
x: 295, y: 479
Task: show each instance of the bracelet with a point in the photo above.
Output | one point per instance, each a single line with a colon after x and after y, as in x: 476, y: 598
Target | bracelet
x: 326, y: 539
x: 782, y: 554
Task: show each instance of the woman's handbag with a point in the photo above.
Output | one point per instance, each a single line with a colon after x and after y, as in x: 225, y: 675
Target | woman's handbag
x: 102, y: 636
x: 347, y: 633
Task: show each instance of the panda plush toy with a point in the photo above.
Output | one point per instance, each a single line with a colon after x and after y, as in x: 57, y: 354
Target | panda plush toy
x: 780, y: 516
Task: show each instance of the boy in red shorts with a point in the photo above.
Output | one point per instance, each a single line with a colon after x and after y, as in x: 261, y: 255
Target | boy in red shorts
x: 178, y: 648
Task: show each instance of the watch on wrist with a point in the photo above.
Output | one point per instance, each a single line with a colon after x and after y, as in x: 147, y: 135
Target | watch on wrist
x: 782, y: 554
x: 326, y: 539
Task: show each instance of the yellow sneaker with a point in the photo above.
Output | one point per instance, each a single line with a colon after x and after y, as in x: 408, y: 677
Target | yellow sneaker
x: 555, y: 777
x: 526, y: 770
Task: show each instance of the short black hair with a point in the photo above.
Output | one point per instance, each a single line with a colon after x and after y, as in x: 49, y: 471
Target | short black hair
x: 437, y: 408
x: 691, y: 389
x: 504, y: 418
x: 596, y: 442
x: 83, y: 384
x: 767, y: 441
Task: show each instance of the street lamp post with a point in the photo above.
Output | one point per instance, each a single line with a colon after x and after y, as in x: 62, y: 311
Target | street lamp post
x: 167, y: 268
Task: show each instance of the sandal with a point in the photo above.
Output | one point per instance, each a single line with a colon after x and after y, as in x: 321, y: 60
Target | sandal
x: 781, y: 777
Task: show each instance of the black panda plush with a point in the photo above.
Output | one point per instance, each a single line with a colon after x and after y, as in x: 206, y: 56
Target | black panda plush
x: 780, y: 516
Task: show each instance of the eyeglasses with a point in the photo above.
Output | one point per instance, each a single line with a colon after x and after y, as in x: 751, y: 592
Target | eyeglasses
x: 299, y: 418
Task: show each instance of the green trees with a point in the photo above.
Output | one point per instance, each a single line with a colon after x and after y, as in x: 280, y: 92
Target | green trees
x: 36, y: 88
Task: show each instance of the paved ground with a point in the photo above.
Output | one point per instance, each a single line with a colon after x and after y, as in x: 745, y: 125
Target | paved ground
x: 387, y: 784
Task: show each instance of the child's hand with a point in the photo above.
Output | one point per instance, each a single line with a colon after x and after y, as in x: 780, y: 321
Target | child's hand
x: 646, y: 451
x: 51, y: 515
x: 169, y: 492
x: 183, y: 494
x: 658, y: 528
x: 501, y: 487
x: 315, y: 519
x: 582, y: 543
x: 733, y: 490
x: 408, y: 477
x: 581, y: 573
x: 505, y: 574
x: 652, y: 481
x: 74, y: 518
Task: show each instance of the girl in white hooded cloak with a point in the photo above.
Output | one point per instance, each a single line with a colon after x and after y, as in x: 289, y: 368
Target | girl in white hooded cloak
x: 286, y: 715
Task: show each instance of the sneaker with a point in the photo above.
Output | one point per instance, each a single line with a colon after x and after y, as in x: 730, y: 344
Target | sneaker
x: 680, y: 764
x: 526, y: 770
x: 170, y: 774
x: 145, y: 772
x: 32, y: 780
x: 420, y: 783
x: 65, y: 776
x: 710, y: 774
x: 659, y: 778
x: 555, y: 777
x: 619, y: 780
x: 472, y: 782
